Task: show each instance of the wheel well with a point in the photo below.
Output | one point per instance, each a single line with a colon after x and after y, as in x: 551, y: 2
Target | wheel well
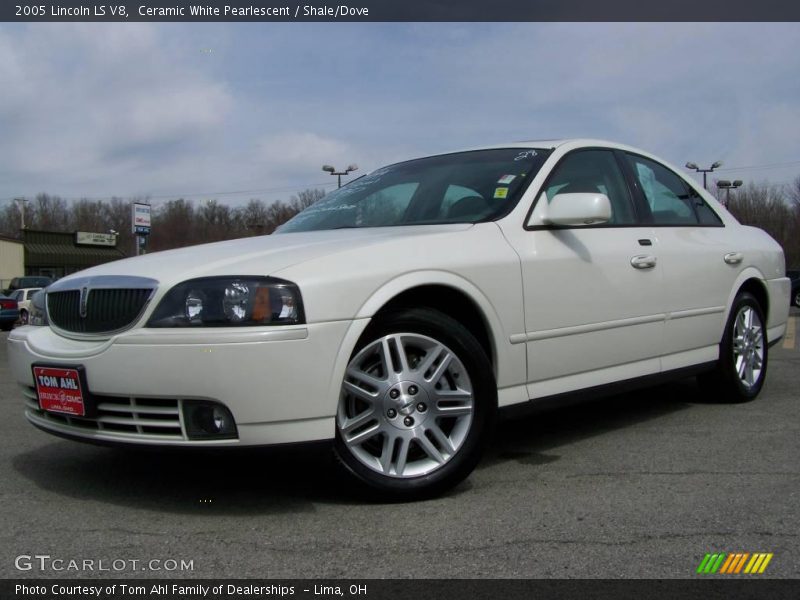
x: 451, y: 302
x: 755, y: 287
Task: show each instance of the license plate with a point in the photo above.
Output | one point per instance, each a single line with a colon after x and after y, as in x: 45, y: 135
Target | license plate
x: 60, y: 390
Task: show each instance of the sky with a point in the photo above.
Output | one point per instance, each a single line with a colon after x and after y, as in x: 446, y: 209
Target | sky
x: 235, y: 111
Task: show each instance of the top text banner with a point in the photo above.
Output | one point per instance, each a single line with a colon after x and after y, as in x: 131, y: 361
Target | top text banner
x: 403, y: 10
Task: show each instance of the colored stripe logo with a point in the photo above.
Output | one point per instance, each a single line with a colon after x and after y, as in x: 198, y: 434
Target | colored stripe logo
x: 734, y: 563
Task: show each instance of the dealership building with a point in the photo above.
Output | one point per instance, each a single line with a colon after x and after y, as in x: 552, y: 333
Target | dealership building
x: 56, y: 254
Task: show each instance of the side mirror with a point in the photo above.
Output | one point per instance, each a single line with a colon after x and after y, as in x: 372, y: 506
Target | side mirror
x: 578, y: 209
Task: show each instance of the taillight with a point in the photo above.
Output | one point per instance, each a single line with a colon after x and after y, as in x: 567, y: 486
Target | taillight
x: 8, y: 304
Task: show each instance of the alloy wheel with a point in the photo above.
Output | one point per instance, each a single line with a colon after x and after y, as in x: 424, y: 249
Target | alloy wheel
x: 406, y: 405
x: 748, y: 346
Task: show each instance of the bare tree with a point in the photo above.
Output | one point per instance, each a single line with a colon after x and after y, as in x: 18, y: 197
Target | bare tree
x: 48, y: 213
x: 766, y: 206
x: 173, y: 225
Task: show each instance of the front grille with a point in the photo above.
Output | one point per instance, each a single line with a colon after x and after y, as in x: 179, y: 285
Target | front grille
x: 106, y: 309
x: 145, y: 418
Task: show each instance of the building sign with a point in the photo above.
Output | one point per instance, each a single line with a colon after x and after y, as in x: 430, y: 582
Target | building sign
x: 140, y: 218
x: 86, y: 238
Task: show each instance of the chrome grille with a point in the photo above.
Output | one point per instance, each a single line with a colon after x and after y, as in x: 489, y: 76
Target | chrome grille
x: 106, y: 309
x: 154, y: 418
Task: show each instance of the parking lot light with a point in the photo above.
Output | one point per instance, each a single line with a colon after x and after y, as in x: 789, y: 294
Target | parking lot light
x: 705, y: 172
x: 333, y: 171
x: 724, y: 184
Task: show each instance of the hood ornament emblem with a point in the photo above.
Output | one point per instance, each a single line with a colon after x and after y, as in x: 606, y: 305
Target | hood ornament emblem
x: 83, y: 301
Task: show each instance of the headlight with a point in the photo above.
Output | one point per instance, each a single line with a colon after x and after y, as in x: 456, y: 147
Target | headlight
x: 230, y: 301
x: 37, y: 313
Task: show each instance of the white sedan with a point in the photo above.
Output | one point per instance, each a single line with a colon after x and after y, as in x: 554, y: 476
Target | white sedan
x: 396, y: 316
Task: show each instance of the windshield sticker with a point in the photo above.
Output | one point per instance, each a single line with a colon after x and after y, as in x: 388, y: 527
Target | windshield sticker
x: 501, y: 192
x: 526, y: 154
x: 506, y: 179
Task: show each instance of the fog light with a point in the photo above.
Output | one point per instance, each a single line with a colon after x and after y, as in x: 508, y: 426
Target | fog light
x: 208, y: 420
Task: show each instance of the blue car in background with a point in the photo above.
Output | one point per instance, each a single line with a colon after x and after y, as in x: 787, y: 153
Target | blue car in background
x: 9, y: 313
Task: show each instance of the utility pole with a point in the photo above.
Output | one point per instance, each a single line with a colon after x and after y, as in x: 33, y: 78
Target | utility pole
x: 21, y: 202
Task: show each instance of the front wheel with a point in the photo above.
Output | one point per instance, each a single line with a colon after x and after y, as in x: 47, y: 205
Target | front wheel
x: 743, y: 352
x: 416, y: 406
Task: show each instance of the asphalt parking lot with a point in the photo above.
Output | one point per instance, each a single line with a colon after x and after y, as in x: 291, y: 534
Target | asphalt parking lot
x: 637, y: 485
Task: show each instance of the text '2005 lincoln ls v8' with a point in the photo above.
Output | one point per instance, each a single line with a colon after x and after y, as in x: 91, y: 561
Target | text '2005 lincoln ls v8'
x: 397, y: 315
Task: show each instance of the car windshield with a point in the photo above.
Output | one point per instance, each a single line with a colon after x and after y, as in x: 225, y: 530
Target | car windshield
x: 465, y: 187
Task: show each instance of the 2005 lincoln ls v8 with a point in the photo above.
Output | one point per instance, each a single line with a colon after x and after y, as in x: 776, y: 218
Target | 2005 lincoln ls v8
x: 398, y: 314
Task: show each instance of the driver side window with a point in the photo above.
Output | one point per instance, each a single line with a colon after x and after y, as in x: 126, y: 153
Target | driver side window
x: 594, y: 171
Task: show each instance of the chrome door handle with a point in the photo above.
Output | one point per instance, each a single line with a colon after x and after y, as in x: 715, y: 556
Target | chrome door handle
x: 733, y: 258
x: 643, y: 261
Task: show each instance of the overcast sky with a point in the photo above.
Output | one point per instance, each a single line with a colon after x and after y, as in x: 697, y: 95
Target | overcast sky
x: 195, y: 110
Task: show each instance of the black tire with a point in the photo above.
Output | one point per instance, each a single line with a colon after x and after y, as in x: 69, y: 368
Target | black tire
x: 797, y: 298
x: 426, y: 325
x: 6, y: 326
x: 725, y: 384
x: 23, y: 317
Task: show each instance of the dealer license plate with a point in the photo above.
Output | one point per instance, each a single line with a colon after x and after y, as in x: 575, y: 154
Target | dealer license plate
x: 60, y: 390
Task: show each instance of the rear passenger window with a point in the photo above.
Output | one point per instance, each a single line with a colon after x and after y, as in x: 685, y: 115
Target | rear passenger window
x: 672, y: 201
x: 705, y: 213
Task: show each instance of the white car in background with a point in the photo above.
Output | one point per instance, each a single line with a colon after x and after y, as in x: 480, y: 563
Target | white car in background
x: 23, y: 297
x: 398, y: 314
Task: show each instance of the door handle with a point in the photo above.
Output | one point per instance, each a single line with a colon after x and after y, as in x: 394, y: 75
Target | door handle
x: 643, y: 261
x: 733, y: 258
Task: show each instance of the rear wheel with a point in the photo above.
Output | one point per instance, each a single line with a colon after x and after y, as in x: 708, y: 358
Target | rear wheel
x: 742, y: 365
x: 416, y: 405
x: 23, y: 317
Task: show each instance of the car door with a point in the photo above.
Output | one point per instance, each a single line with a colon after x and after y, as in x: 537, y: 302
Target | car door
x: 593, y: 309
x: 699, y: 258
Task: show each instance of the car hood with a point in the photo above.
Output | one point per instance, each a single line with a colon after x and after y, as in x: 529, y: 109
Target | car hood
x: 261, y: 255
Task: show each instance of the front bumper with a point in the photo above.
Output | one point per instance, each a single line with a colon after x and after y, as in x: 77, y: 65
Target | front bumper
x: 278, y: 383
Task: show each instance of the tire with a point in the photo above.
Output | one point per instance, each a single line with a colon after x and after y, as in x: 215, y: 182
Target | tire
x: 417, y: 405
x: 7, y: 326
x: 743, y: 354
x: 797, y: 298
x: 23, y: 317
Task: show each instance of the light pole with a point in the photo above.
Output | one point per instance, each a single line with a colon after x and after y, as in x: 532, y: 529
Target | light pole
x: 724, y: 184
x: 333, y: 171
x: 694, y: 167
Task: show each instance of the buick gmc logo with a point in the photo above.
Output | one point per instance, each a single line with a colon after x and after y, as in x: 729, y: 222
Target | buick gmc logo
x: 84, y: 298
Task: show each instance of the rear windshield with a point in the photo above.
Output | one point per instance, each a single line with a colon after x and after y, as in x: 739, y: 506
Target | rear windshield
x: 464, y: 187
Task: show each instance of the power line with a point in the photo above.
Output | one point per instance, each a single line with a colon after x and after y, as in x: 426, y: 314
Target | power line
x: 767, y: 166
x: 186, y: 194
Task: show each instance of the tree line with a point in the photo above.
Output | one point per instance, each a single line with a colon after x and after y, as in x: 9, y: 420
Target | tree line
x: 773, y: 208
x: 180, y: 222
x: 175, y: 223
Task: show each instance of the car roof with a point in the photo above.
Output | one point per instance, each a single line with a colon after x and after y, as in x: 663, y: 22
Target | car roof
x: 555, y: 143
